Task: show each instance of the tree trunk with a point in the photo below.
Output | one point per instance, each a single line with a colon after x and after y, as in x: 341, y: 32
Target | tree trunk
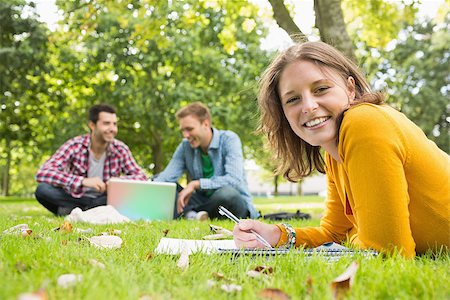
x: 331, y: 25
x: 275, y: 184
x: 5, y: 183
x: 284, y: 20
x: 299, y: 188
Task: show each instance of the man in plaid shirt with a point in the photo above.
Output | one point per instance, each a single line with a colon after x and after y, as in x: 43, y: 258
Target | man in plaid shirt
x: 78, y: 173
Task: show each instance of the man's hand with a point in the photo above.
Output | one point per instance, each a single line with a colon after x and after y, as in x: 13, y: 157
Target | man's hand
x: 95, y: 183
x: 185, y: 195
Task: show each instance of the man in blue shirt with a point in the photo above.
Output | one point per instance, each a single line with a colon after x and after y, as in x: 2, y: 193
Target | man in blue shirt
x: 214, y: 163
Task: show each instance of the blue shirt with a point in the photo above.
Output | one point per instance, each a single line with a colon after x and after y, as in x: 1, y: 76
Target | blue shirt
x: 225, y: 151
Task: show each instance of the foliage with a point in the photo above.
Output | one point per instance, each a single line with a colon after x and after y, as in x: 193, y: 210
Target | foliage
x: 150, y: 58
x: 24, y: 106
x: 416, y: 75
x: 377, y: 22
x: 135, y: 271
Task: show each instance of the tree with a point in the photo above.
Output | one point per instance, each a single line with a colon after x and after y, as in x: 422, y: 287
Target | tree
x: 23, y: 55
x: 150, y: 58
x: 415, y: 73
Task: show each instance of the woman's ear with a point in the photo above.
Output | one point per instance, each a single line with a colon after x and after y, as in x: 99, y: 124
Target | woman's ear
x: 351, y: 88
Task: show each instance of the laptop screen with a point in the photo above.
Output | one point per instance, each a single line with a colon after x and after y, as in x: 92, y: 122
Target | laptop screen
x: 146, y: 200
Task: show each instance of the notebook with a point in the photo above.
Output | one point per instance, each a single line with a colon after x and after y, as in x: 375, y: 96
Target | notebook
x: 145, y: 200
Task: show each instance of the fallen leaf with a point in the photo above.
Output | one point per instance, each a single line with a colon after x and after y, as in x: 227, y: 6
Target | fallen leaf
x: 64, y: 242
x: 69, y: 280
x: 264, y: 269
x: 106, y: 241
x: 16, y: 229
x: 218, y: 276
x: 309, y: 285
x: 255, y: 274
x: 183, y: 262
x: 96, y: 263
x: 66, y: 227
x: 40, y: 294
x: 26, y: 232
x: 218, y: 229
x: 274, y: 294
x: 149, y: 256
x: 165, y: 232
x: 342, y: 284
x: 21, y: 267
x: 230, y: 288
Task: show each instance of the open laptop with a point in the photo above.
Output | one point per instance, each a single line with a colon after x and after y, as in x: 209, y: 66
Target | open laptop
x: 146, y: 200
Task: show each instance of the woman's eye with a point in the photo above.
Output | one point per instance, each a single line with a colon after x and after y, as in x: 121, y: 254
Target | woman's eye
x: 321, y: 89
x: 291, y: 100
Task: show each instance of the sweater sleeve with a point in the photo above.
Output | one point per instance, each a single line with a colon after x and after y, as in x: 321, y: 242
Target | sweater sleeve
x: 374, y: 153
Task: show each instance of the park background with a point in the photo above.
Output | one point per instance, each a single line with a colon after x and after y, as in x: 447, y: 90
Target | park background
x: 149, y: 58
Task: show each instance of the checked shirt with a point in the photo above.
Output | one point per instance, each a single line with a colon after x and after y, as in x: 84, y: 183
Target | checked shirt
x: 69, y: 165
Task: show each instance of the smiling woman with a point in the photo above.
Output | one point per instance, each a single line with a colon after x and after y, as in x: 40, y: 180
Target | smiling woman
x: 387, y: 183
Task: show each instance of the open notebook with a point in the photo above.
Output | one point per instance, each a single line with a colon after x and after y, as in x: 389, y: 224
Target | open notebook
x: 146, y: 200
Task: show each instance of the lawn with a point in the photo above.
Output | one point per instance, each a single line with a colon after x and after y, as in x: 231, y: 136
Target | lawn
x: 135, y: 272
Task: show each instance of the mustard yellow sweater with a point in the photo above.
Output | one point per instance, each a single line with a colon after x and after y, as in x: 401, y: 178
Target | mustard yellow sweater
x: 391, y: 191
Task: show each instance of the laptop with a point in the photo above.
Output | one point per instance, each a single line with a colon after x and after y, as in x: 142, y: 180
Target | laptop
x: 146, y: 200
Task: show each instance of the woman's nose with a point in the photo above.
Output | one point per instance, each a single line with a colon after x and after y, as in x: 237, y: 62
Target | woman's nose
x: 309, y: 105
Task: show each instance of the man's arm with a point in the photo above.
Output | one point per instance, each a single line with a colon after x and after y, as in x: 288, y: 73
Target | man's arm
x: 175, y: 168
x: 55, y: 170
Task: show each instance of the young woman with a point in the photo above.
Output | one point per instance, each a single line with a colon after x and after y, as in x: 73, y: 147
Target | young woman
x: 388, y: 185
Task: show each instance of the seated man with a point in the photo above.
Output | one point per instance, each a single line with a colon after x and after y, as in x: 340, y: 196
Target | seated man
x: 77, y: 174
x: 214, y: 162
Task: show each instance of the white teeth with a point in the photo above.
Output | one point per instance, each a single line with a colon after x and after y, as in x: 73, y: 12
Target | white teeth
x: 316, y: 121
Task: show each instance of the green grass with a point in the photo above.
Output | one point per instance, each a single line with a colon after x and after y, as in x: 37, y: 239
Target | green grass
x: 28, y: 263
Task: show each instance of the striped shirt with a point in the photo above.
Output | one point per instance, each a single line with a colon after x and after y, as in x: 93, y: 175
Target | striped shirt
x: 70, y: 164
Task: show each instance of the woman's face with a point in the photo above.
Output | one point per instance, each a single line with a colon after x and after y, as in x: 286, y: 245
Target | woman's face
x: 312, y: 100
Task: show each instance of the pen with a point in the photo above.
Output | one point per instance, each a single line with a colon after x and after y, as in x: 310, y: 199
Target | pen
x: 225, y: 212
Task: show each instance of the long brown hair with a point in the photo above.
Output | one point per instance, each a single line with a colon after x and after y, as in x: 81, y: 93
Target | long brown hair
x: 296, y: 157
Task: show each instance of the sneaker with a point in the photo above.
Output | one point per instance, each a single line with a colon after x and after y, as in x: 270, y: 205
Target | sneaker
x: 199, y: 216
x: 190, y: 215
x: 202, y: 216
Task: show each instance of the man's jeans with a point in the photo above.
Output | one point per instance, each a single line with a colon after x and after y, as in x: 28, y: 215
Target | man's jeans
x: 226, y: 196
x: 53, y: 197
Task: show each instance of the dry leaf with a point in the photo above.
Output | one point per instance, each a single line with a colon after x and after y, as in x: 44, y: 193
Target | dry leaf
x: 40, y: 294
x: 64, y: 242
x: 26, y: 232
x: 218, y: 276
x: 149, y: 256
x: 183, y: 262
x: 21, y: 267
x: 230, y: 288
x: 69, y: 280
x: 342, y: 284
x: 96, y: 263
x: 309, y: 285
x: 16, y: 229
x: 218, y: 229
x: 254, y: 274
x: 274, y: 294
x: 106, y: 241
x: 264, y: 269
x: 165, y: 232
x: 66, y: 227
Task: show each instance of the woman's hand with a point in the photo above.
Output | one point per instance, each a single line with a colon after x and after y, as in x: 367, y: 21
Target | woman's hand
x: 245, y: 239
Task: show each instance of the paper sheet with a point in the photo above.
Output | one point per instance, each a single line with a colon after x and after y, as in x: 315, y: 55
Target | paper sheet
x: 176, y: 246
